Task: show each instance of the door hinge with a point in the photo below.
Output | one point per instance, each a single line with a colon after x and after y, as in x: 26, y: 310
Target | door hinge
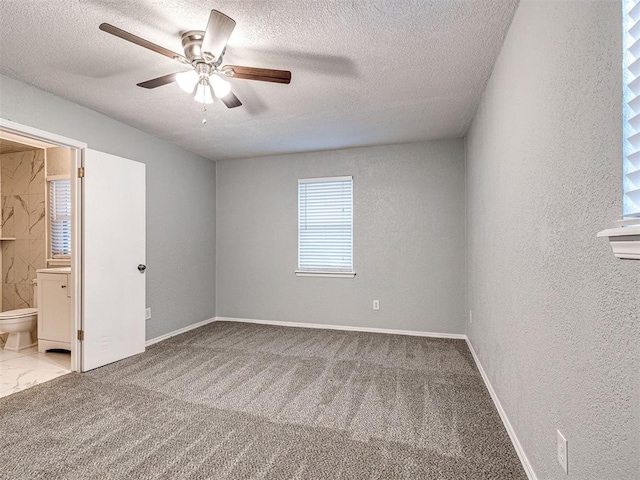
x: 80, y: 172
x: 80, y: 334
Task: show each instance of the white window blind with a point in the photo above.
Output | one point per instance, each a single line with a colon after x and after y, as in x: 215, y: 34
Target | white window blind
x: 325, y: 225
x: 631, y: 74
x: 60, y: 216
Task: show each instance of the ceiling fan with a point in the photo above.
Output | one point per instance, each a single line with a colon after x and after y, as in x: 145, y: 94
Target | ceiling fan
x: 204, y: 52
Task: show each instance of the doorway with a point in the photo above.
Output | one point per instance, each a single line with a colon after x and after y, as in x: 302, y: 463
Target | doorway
x: 35, y: 241
x: 106, y: 208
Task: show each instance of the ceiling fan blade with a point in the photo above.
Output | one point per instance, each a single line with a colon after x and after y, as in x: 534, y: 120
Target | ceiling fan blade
x: 260, y: 74
x: 231, y: 101
x: 217, y: 34
x: 130, y: 37
x: 160, y: 81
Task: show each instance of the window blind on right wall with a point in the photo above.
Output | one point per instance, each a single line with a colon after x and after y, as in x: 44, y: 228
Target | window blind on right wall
x: 631, y: 127
x: 60, y: 217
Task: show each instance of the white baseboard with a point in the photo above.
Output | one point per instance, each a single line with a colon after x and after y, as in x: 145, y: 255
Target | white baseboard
x: 178, y: 332
x: 505, y: 420
x: 343, y: 327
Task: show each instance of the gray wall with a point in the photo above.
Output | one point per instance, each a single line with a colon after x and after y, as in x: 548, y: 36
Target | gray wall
x: 556, y: 318
x: 408, y: 239
x: 180, y: 201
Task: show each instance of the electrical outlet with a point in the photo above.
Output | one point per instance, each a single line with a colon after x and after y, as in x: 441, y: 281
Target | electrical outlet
x: 147, y: 314
x: 470, y: 316
x: 376, y: 304
x: 563, y: 454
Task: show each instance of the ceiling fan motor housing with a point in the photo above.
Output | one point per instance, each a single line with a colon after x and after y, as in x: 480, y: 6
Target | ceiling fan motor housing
x: 192, y: 45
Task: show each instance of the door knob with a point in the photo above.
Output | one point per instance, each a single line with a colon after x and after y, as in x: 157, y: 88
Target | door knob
x: 142, y: 268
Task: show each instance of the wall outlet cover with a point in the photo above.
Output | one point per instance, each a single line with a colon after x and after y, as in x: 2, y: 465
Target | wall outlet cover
x: 147, y: 314
x: 376, y: 304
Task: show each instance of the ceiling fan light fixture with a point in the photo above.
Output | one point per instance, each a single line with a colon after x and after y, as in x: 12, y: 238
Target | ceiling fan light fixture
x: 187, y: 80
x: 221, y: 87
x: 204, y: 52
x: 203, y: 93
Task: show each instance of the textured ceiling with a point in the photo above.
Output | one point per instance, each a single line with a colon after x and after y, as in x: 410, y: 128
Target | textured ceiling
x: 364, y: 72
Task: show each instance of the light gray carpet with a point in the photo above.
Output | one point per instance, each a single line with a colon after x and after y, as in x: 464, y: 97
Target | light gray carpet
x: 236, y: 401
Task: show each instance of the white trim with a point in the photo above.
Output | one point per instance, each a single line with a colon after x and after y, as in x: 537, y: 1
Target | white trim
x: 302, y: 273
x: 344, y: 178
x: 12, y: 137
x: 505, y: 420
x: 41, y: 135
x: 77, y: 242
x: 323, y: 326
x: 621, y: 231
x: 179, y: 331
x: 624, y: 241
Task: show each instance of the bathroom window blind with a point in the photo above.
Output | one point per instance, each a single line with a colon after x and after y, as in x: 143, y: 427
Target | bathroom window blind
x: 631, y: 75
x: 60, y: 216
x: 325, y: 225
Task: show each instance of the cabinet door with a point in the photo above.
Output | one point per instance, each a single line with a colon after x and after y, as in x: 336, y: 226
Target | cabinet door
x: 54, y: 308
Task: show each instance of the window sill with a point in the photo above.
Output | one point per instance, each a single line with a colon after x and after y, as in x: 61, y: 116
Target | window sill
x: 326, y: 274
x: 625, y: 242
x: 59, y: 262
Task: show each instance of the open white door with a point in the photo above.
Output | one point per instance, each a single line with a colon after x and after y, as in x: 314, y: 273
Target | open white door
x: 113, y: 251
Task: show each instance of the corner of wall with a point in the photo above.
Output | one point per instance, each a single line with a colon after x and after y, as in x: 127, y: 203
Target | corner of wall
x: 466, y: 241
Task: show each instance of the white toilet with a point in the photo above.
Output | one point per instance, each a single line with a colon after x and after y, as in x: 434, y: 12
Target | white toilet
x: 21, y: 325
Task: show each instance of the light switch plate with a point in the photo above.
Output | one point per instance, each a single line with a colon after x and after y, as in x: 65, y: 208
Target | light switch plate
x: 147, y: 314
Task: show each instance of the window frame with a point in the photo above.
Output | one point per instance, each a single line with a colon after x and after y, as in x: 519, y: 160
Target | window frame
x: 328, y: 271
x: 630, y: 105
x: 51, y: 257
x: 624, y: 238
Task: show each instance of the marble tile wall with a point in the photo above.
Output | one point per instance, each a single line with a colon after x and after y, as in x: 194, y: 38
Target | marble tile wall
x: 22, y: 193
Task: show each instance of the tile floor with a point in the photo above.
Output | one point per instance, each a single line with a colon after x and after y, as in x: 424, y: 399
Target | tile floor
x: 26, y: 368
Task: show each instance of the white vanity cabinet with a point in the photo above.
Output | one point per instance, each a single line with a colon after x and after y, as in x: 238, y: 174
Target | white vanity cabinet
x: 54, y: 309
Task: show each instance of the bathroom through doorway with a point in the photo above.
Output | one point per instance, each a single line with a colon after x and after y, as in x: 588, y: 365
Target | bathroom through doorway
x: 74, y: 225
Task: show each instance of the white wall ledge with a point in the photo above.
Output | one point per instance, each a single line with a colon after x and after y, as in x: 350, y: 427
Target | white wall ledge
x: 325, y: 274
x: 625, y: 241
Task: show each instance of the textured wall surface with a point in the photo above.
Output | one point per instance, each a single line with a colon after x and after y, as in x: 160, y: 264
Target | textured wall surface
x: 408, y: 239
x: 556, y: 318
x: 180, y: 201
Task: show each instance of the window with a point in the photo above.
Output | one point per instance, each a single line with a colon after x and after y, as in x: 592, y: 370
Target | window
x: 60, y: 217
x: 631, y: 88
x: 625, y: 237
x: 325, y: 226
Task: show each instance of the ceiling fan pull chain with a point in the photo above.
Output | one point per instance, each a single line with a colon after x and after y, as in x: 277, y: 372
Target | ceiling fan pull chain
x: 204, y: 113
